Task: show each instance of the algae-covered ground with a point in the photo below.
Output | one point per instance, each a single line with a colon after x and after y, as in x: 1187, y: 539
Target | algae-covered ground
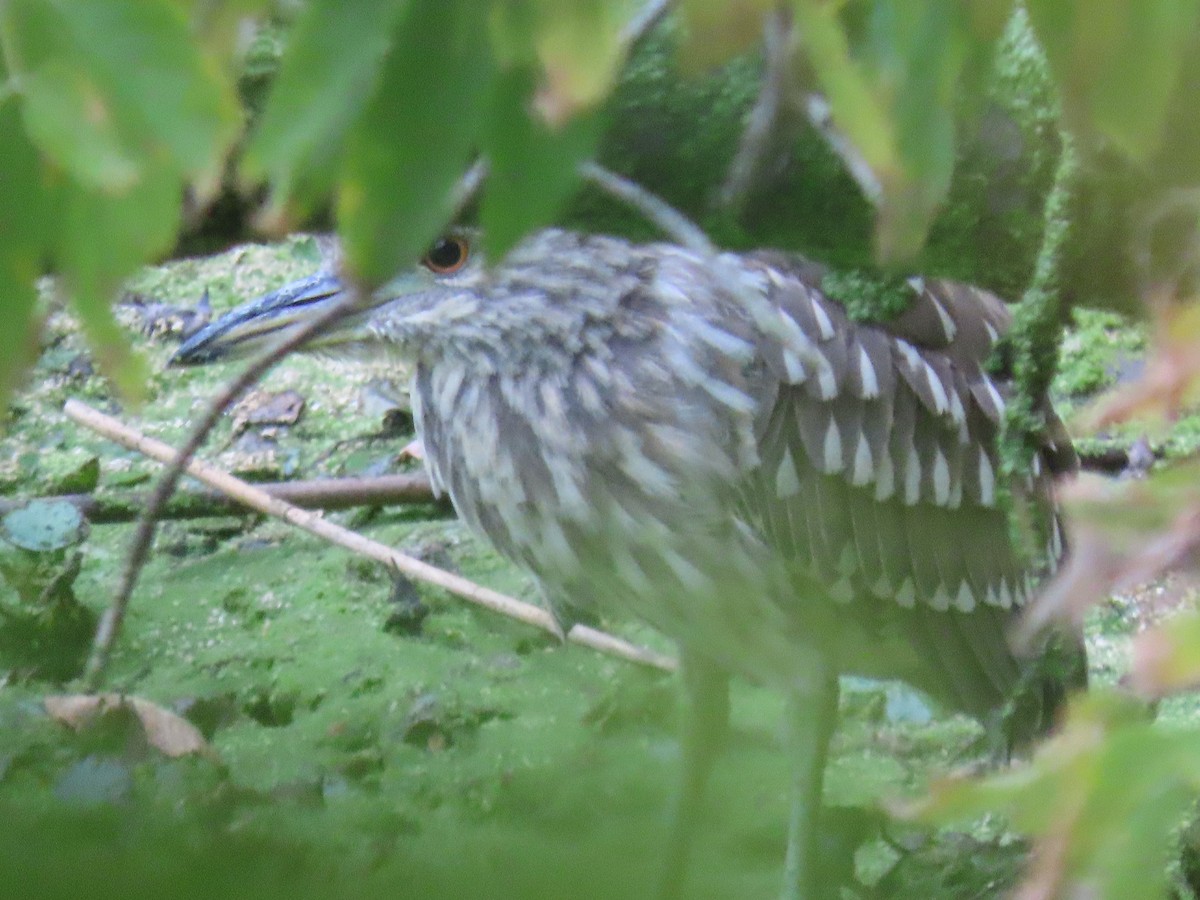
x: 360, y: 750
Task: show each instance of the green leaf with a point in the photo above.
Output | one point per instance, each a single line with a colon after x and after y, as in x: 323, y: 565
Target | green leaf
x: 102, y: 240
x: 1101, y: 799
x: 321, y: 87
x: 140, y: 61
x: 18, y: 337
x: 149, y: 107
x: 579, y: 46
x: 1116, y: 63
x: 893, y: 95
x: 220, y: 26
x: 860, y: 115
x: 920, y: 50
x: 415, y: 137
x: 1166, y: 658
x: 26, y: 218
x: 988, y: 18
x: 69, y: 117
x: 715, y: 32
x: 534, y: 168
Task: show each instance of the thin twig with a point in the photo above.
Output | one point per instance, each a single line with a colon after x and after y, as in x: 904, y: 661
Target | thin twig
x: 820, y: 116
x: 313, y: 523
x: 673, y: 223
x: 468, y: 186
x: 765, y: 122
x: 143, y: 538
x: 643, y: 21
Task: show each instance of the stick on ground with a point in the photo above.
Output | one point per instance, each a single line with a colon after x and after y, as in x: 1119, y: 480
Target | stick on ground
x: 311, y: 522
x: 115, y: 507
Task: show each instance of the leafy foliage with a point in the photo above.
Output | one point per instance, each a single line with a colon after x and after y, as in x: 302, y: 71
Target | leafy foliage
x: 98, y: 164
x: 99, y: 152
x: 1106, y: 792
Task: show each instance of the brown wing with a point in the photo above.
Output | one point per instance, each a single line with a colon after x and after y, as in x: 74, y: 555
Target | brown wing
x: 879, y: 474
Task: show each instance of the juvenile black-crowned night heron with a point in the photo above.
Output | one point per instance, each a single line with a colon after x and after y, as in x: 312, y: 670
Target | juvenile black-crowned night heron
x: 712, y: 445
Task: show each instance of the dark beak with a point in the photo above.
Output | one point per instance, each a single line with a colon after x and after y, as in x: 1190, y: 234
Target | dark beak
x: 251, y: 326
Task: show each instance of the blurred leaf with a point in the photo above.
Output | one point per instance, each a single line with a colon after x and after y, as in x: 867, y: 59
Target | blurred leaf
x: 988, y: 18
x: 581, y: 49
x: 512, y: 25
x: 321, y: 87
x: 102, y: 239
x: 25, y: 222
x: 43, y: 525
x: 1166, y: 659
x: 68, y: 116
x: 119, y: 94
x: 921, y: 53
x: 1146, y: 505
x: 1123, y: 533
x: 1116, y: 63
x: 221, y: 26
x: 893, y: 95
x: 533, y: 169
x: 1101, y: 799
x: 415, y: 138
x: 142, y: 65
x: 18, y: 338
x: 715, y: 32
x: 859, y: 114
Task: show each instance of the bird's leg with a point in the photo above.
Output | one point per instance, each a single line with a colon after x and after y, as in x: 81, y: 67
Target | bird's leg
x: 811, y: 717
x: 706, y: 725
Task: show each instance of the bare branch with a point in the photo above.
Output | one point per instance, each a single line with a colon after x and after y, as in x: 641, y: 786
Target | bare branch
x: 112, y: 507
x: 644, y: 20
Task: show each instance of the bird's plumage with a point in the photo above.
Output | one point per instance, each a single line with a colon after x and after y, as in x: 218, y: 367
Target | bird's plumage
x: 732, y: 458
x: 714, y: 446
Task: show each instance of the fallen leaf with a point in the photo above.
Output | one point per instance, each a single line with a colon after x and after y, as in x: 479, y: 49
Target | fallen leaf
x: 170, y: 734
x: 267, y: 408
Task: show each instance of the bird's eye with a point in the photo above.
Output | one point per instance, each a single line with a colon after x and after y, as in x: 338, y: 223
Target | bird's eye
x: 447, y: 256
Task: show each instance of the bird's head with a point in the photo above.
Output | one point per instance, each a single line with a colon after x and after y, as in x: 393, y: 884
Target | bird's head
x: 544, y: 298
x: 446, y: 286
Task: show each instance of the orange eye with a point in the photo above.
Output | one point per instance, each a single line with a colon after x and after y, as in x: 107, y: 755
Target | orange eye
x: 447, y: 255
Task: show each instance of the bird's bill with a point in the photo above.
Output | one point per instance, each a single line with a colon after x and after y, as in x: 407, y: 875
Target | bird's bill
x: 253, y: 325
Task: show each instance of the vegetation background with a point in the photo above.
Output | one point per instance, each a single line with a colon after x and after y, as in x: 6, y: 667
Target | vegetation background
x: 1047, y: 149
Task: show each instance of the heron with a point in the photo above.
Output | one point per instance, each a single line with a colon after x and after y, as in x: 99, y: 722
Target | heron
x: 714, y: 446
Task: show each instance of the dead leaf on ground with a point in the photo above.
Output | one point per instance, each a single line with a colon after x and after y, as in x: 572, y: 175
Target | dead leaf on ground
x: 165, y: 731
x: 267, y: 408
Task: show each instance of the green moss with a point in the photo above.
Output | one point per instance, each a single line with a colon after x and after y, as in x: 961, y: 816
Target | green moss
x: 868, y: 296
x: 1099, y: 349
x: 1037, y: 326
